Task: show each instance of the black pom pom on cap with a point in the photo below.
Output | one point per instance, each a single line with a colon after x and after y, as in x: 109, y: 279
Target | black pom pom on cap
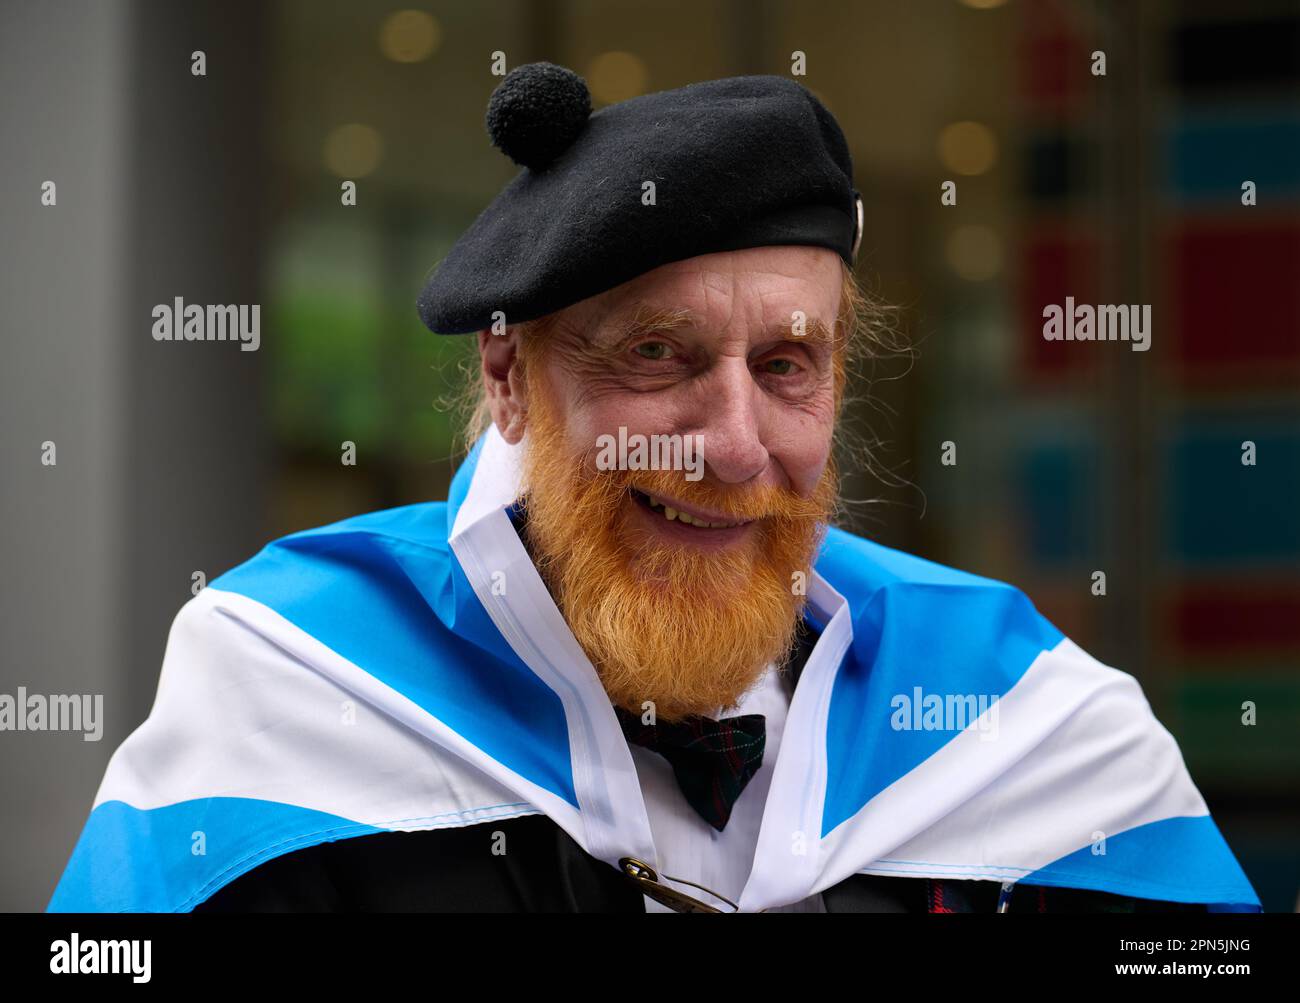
x: 536, y: 112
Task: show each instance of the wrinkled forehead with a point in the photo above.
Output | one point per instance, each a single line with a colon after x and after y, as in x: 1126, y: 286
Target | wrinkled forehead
x: 754, y: 293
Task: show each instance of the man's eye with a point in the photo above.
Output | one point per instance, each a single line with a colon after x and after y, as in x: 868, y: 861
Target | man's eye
x: 784, y: 367
x: 654, y: 350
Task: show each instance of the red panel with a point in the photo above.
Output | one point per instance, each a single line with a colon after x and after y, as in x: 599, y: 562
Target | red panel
x: 1235, y: 290
x: 1056, y: 264
x: 1210, y: 619
x: 1054, y: 61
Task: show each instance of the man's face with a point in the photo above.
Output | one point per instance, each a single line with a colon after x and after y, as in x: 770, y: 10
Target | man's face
x: 730, y: 351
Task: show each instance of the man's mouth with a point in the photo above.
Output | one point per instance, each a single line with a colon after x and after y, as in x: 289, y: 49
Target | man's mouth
x: 673, y: 511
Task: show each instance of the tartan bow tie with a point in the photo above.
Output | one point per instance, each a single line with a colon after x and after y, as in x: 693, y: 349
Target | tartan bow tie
x: 712, y: 760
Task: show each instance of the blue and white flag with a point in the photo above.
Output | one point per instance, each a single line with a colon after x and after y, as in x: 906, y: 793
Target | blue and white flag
x: 371, y: 675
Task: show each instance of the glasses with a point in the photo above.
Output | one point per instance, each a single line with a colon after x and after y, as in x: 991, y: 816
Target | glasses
x: 645, y: 878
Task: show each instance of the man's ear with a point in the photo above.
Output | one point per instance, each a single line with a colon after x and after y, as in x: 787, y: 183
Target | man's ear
x: 507, y: 399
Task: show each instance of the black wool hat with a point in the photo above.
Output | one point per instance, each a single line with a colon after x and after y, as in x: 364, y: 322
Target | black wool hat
x: 735, y: 163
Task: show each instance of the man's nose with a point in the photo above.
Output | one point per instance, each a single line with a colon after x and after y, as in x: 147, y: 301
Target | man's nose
x: 730, y: 423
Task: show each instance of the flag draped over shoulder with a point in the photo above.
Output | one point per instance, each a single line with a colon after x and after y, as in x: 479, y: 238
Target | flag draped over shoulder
x: 371, y: 675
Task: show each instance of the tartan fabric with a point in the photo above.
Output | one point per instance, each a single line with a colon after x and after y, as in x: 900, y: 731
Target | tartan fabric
x: 712, y: 760
x: 951, y: 896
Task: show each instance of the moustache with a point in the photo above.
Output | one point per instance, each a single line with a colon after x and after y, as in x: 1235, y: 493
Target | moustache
x: 606, y: 489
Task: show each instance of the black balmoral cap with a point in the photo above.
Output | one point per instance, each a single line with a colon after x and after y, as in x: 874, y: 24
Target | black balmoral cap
x: 740, y: 162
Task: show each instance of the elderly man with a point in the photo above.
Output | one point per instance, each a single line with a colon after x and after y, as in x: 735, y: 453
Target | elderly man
x: 629, y: 665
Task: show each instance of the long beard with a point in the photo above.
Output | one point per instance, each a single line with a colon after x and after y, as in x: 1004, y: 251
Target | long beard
x: 686, y: 630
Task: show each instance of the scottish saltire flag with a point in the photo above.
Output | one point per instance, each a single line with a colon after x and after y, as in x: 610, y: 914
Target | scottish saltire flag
x: 370, y: 675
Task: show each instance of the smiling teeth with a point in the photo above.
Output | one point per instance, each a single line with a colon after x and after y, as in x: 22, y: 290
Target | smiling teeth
x: 671, y: 513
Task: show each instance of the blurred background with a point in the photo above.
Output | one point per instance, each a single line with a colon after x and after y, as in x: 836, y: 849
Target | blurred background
x: 1072, y: 457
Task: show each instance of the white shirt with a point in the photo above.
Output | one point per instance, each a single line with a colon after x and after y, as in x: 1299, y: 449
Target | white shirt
x: 659, y: 824
x: 688, y: 846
